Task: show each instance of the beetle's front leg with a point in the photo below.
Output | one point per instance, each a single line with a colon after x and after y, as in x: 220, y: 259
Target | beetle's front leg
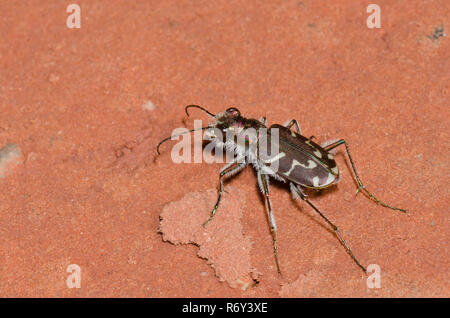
x: 230, y: 169
x: 263, y: 182
x: 361, y: 186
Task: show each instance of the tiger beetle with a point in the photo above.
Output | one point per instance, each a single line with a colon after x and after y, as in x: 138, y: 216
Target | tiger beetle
x: 302, y: 163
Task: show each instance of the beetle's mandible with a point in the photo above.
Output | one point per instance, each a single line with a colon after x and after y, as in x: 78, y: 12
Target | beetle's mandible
x: 301, y: 163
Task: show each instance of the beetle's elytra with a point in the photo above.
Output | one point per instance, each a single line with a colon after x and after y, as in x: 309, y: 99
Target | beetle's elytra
x: 301, y: 163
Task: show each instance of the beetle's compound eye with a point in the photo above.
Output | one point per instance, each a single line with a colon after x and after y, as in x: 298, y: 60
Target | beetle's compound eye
x: 233, y: 112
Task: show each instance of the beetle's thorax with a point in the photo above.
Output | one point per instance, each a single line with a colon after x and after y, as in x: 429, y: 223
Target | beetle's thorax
x: 235, y: 133
x: 235, y: 122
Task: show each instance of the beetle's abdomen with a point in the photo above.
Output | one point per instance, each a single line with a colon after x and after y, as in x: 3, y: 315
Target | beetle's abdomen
x: 300, y: 160
x: 309, y: 174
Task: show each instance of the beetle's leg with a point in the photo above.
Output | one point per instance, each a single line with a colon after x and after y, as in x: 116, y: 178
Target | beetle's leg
x: 263, y: 120
x: 229, y: 170
x: 263, y: 182
x: 297, y: 192
x: 327, y: 143
x: 334, y: 227
x: 360, y: 184
x: 297, y: 126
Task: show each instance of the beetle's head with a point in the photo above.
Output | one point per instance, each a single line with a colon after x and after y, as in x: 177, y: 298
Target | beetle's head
x: 228, y: 123
x: 230, y: 120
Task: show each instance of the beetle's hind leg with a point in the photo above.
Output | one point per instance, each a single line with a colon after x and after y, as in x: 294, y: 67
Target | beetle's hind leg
x: 263, y: 182
x: 228, y: 170
x: 361, y: 186
x: 301, y: 194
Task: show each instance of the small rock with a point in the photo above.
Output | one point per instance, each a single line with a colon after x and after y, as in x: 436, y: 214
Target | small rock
x: 9, y: 158
x: 53, y: 78
x: 148, y: 105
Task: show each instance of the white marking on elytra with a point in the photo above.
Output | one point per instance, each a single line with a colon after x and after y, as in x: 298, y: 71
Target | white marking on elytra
x: 316, y: 152
x: 330, y: 156
x: 315, y: 181
x: 330, y: 178
x: 335, y: 170
x: 275, y: 158
x: 311, y: 165
x: 290, y: 170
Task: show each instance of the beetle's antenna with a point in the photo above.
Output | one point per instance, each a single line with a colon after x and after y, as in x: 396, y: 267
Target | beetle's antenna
x: 200, y: 107
x: 183, y: 133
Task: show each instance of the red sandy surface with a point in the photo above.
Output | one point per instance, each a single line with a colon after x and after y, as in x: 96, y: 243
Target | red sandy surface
x: 85, y: 109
